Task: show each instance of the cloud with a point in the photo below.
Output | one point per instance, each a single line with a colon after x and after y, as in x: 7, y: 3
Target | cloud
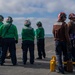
x: 32, y: 6
x: 68, y: 5
x: 25, y: 7
x: 20, y: 6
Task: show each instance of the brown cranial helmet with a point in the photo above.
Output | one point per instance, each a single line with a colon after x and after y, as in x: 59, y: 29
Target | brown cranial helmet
x: 61, y: 16
x: 71, y: 16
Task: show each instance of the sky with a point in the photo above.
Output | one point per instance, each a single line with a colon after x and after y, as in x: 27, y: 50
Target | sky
x: 45, y: 11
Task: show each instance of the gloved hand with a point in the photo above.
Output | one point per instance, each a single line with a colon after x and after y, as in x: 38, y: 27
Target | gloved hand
x: 16, y: 41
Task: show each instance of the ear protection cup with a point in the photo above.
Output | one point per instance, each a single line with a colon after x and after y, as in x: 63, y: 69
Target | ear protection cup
x: 1, y: 17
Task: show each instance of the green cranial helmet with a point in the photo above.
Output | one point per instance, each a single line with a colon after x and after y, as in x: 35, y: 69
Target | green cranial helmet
x: 27, y: 23
x: 1, y: 18
x: 39, y: 23
x: 9, y: 19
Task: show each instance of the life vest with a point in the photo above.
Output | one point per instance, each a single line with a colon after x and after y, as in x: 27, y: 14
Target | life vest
x: 59, y: 31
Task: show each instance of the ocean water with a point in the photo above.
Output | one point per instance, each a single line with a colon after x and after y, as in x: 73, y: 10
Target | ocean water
x: 46, y: 35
